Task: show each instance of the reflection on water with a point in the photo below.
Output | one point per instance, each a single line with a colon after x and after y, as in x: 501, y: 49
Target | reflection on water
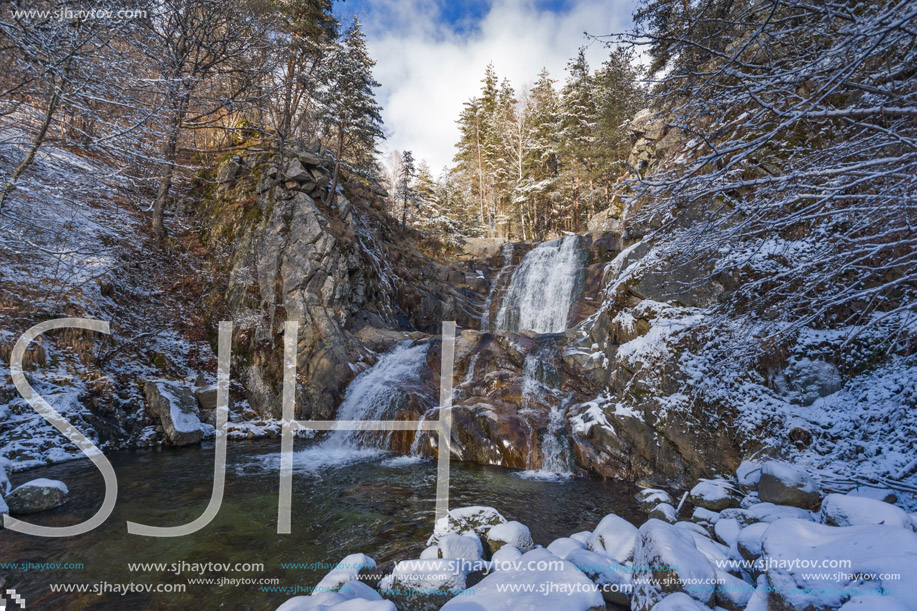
x: 342, y: 503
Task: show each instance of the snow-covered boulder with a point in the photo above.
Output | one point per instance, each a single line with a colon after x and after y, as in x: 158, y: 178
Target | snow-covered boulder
x: 582, y: 536
x: 466, y: 520
x: 766, y: 512
x: 712, y: 494
x: 465, y: 547
x: 6, y: 467
x: 176, y: 409
x: 843, y: 510
x: 353, y: 596
x: 664, y: 512
x: 563, y: 546
x: 444, y: 574
x: 4, y: 510
x: 704, y: 517
x: 748, y: 543
x: 430, y: 552
x: 804, y: 380
x: 679, y: 601
x: 792, y: 547
x: 870, y: 492
x: 694, y: 527
x: 748, y: 473
x: 727, y: 531
x: 505, y: 557
x: 667, y: 560
x: 510, y: 533
x: 615, y: 537
x: 732, y: 593
x: 785, y: 484
x: 648, y: 498
x: 37, y: 495
x: 555, y: 584
x: 346, y: 570
x: 612, y: 577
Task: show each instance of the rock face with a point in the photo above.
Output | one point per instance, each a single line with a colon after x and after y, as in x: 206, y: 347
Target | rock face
x: 784, y: 484
x: 35, y: 496
x: 176, y: 409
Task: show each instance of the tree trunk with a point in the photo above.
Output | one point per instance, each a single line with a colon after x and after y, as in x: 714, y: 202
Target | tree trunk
x: 337, y: 167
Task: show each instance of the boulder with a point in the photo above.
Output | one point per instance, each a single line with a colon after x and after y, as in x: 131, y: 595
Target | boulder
x: 36, y: 495
x: 614, y: 537
x: 804, y: 381
x: 748, y: 473
x: 505, y: 556
x: 345, y: 571
x: 727, y: 530
x: 352, y: 596
x: 612, y: 577
x: 732, y: 593
x: 510, y: 533
x: 880, y: 494
x: 466, y: 520
x: 712, y: 494
x: 843, y: 510
x: 465, y: 547
x: 785, y: 484
x: 553, y: 584
x: 6, y: 467
x: 748, y: 543
x: 766, y: 512
x: 667, y: 560
x: 563, y: 546
x: 679, y: 601
x: 648, y: 498
x: 176, y: 409
x: 294, y: 170
x: 665, y: 512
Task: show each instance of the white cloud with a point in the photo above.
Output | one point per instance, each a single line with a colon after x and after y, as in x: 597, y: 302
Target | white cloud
x: 428, y: 70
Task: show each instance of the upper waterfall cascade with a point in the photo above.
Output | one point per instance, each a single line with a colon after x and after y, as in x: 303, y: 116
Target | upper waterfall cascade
x: 540, y: 292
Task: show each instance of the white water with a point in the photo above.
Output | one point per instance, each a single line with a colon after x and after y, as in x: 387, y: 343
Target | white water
x: 373, y: 393
x: 495, y: 286
x: 556, y: 462
x: 541, y: 289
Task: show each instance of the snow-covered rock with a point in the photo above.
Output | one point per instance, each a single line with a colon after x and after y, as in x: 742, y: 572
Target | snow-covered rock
x: 510, y: 533
x: 648, y: 498
x: 555, y: 584
x: 353, y: 596
x: 563, y: 546
x: 176, y: 409
x: 664, y: 512
x: 748, y: 473
x: 793, y: 547
x: 805, y: 380
x: 880, y: 494
x: 431, y: 574
x: 712, y: 494
x: 4, y: 510
x: 732, y: 593
x: 759, y: 600
x: 667, y: 560
x: 704, y: 516
x: 748, y: 543
x: 766, y: 512
x: 692, y: 526
x: 466, y: 520
x: 727, y: 530
x: 430, y: 552
x: 505, y: 556
x: 37, y: 495
x: 6, y: 467
x: 612, y: 577
x: 582, y: 536
x: 615, y: 537
x: 785, y: 484
x: 843, y: 510
x: 346, y: 570
x: 465, y: 547
x: 679, y: 601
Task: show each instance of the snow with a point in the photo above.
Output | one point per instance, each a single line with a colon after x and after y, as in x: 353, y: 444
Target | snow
x: 467, y: 547
x: 710, y: 493
x: 748, y: 473
x: 614, y: 537
x: 792, y: 547
x: 505, y: 556
x: 665, y: 512
x: 4, y: 508
x: 604, y: 571
x: 749, y: 541
x: 431, y: 574
x: 843, y: 510
x: 582, y: 536
x: 510, y: 533
x: 564, y: 546
x: 679, y: 601
x: 660, y: 544
x: 353, y: 596
x: 555, y: 584
x: 346, y: 570
x: 727, y: 530
x: 466, y: 520
x: 650, y: 497
x: 701, y: 514
x: 766, y: 512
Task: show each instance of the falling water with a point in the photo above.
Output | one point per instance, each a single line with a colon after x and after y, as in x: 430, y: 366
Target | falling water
x: 541, y: 289
x: 507, y: 263
x: 378, y: 391
x: 537, y: 388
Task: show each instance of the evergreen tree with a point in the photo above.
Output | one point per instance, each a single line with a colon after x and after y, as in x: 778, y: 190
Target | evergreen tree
x: 578, y: 125
x: 350, y: 111
x: 405, y: 189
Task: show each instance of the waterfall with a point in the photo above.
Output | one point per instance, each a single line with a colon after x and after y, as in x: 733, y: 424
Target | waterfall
x: 541, y: 289
x: 537, y: 387
x: 377, y: 392
x: 495, y: 286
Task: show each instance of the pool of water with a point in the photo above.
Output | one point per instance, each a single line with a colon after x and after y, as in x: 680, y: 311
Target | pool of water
x: 369, y: 502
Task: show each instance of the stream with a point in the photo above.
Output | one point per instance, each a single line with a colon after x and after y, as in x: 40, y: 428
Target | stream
x: 343, y: 502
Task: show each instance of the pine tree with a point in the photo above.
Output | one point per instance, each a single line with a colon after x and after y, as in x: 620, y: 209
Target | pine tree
x: 350, y: 111
x: 405, y: 188
x: 578, y: 121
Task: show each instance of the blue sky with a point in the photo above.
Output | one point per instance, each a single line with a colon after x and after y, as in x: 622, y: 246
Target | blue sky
x: 431, y: 55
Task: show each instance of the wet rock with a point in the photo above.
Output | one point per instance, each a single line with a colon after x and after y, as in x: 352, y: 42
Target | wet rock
x: 785, y: 484
x: 176, y: 409
x: 35, y: 496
